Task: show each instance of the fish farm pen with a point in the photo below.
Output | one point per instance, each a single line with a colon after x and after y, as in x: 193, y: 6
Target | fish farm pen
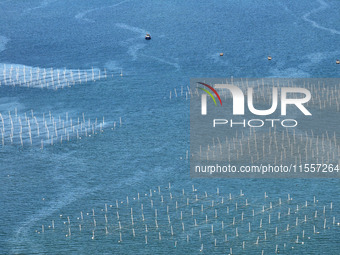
x: 191, y: 220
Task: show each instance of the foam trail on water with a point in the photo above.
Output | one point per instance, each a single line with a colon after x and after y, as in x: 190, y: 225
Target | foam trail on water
x: 176, y: 65
x: 43, y: 4
x: 131, y: 28
x: 303, y: 69
x: 54, y: 206
x: 81, y: 15
x: 317, y: 57
x: 217, y: 59
x: 323, y: 6
x: 288, y: 73
x: 113, y: 65
x: 133, y: 50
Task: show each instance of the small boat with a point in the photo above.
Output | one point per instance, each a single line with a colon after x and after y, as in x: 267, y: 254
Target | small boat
x: 221, y: 54
x: 147, y: 37
x: 269, y: 58
x: 337, y: 61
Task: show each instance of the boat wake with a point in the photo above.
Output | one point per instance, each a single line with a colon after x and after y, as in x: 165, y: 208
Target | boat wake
x: 218, y: 59
x: 176, y: 65
x: 133, y: 50
x: 54, y: 206
x: 43, y: 4
x: 303, y: 70
x: 113, y: 66
x: 131, y: 28
x: 291, y: 72
x: 323, y: 6
x: 81, y: 15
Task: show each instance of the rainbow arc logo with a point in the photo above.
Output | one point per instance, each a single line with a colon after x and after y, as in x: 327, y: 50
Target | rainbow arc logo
x: 209, y: 93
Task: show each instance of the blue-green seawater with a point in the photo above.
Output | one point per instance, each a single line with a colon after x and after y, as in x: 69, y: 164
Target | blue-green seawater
x: 149, y: 149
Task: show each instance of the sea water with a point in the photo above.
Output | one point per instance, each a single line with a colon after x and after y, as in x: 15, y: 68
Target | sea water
x: 149, y: 148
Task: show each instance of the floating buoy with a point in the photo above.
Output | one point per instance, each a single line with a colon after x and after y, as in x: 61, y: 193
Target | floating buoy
x: 221, y: 54
x: 269, y: 58
x: 337, y: 61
